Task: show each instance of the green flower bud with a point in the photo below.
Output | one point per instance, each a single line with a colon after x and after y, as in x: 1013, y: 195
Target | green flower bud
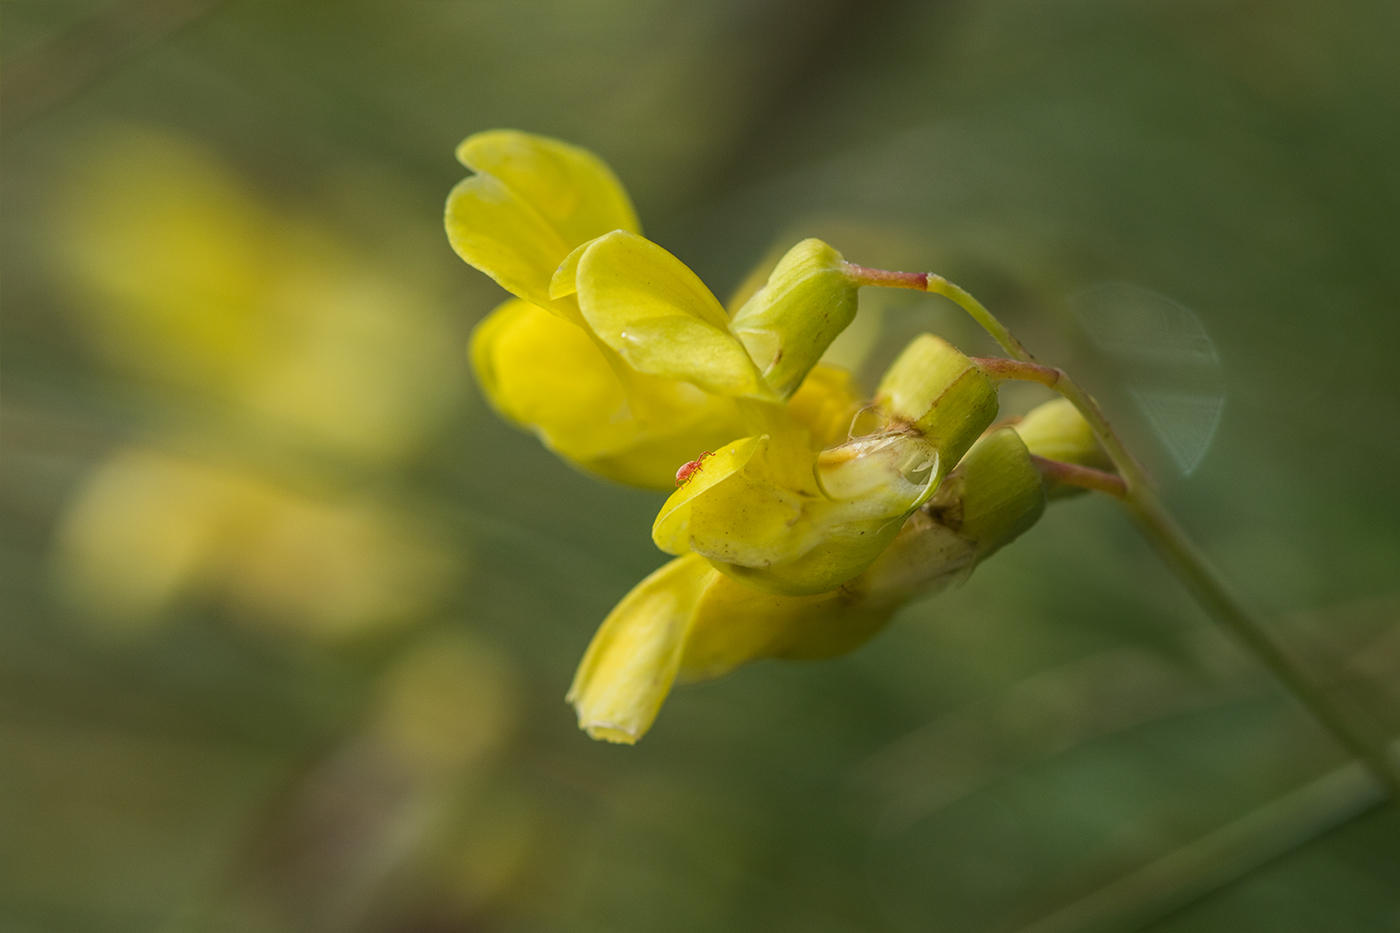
x: 788, y: 323
x: 995, y: 494
x: 1057, y: 431
x: 940, y: 392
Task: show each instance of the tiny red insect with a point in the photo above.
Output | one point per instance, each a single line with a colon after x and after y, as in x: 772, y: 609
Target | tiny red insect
x: 688, y: 470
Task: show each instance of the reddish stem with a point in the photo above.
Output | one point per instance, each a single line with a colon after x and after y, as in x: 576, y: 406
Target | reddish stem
x: 1072, y: 474
x: 867, y: 276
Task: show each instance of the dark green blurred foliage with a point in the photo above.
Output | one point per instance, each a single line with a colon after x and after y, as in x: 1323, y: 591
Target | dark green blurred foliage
x: 288, y: 615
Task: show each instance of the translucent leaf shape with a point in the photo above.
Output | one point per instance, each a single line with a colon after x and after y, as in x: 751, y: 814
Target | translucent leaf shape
x: 1165, y: 361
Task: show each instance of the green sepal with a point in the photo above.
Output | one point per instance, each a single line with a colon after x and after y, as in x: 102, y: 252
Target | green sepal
x: 994, y: 496
x: 787, y: 324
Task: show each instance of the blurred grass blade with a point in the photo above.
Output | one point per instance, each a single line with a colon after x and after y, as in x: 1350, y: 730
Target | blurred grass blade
x: 47, y: 75
x: 1195, y: 870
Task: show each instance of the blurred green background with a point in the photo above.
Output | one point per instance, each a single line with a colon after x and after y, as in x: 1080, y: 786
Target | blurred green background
x: 288, y: 613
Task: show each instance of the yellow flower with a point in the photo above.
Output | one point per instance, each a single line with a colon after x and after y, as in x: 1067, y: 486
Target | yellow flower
x: 531, y: 202
x: 689, y: 622
x: 615, y: 353
x: 801, y: 521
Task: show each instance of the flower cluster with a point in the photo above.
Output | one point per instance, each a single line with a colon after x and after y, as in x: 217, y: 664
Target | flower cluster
x: 803, y: 515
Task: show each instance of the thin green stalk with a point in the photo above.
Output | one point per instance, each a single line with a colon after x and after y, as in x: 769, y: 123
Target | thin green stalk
x: 1140, y: 500
x: 938, y: 285
x: 1185, y: 875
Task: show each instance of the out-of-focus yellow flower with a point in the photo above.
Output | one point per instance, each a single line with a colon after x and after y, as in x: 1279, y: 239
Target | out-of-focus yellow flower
x: 652, y: 375
x: 150, y: 528
x: 780, y: 516
x: 689, y: 622
x: 186, y: 277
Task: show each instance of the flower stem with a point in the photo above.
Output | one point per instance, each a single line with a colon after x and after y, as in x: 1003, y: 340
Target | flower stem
x: 1139, y: 499
x: 1072, y: 474
x: 938, y: 285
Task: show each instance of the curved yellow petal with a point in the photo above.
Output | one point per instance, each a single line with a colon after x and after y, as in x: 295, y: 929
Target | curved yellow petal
x: 569, y: 186
x: 552, y: 378
x: 735, y: 624
x: 532, y: 201
x: 632, y: 661
x: 497, y: 232
x: 649, y: 307
x: 546, y: 374
x: 757, y: 516
x: 671, y: 530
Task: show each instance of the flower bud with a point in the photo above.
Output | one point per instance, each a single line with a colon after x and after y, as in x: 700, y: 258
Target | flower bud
x: 1057, y: 431
x: 788, y: 323
x: 941, y: 393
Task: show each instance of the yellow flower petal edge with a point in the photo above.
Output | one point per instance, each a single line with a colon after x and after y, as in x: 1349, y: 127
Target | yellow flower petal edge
x: 532, y: 202
x: 671, y: 530
x: 574, y: 189
x: 633, y: 659
x: 648, y: 306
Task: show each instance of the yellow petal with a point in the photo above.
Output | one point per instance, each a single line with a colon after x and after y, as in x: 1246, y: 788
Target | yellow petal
x: 671, y: 530
x: 645, y: 304
x: 546, y: 374
x: 825, y: 405
x: 758, y: 515
x: 735, y: 624
x: 532, y: 201
x: 632, y: 661
x: 551, y: 377
x: 569, y: 186
x: 565, y: 279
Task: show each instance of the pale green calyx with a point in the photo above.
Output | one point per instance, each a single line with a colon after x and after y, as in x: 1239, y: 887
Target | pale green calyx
x: 939, y: 392
x: 788, y: 323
